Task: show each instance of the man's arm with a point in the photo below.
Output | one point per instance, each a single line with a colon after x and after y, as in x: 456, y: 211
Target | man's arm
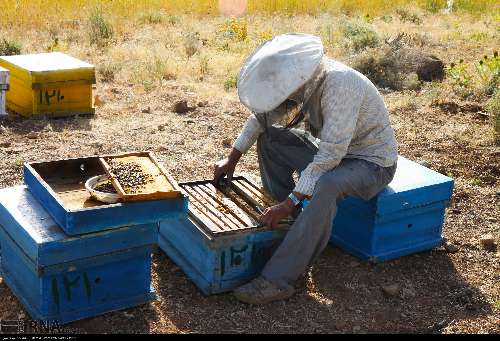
x: 248, y: 136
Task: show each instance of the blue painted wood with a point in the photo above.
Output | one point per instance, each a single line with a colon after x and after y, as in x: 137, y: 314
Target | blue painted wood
x: 220, y: 263
x: 78, y: 289
x: 93, y: 219
x: 41, y: 239
x: 405, y: 218
x: 380, y: 242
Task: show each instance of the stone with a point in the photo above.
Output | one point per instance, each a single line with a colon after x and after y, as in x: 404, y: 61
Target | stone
x: 450, y: 247
x: 128, y: 315
x: 98, y: 102
x: 161, y: 127
x: 391, y: 290
x: 353, y: 264
x: 409, y: 292
x: 487, y: 241
x: 32, y: 135
x: 226, y: 142
x: 426, y: 164
x: 202, y: 104
x: 430, y: 68
x: 146, y: 110
x: 181, y: 107
x: 5, y: 144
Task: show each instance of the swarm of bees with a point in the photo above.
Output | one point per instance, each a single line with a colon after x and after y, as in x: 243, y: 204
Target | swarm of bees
x: 105, y: 187
x: 130, y: 175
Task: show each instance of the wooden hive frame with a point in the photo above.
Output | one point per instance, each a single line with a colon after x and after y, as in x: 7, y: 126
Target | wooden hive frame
x: 233, y: 208
x: 154, y: 192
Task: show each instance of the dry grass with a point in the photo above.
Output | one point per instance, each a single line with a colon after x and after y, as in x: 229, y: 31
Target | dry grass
x: 40, y: 12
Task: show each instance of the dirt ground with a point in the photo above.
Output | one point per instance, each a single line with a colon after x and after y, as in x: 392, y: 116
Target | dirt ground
x: 437, y: 291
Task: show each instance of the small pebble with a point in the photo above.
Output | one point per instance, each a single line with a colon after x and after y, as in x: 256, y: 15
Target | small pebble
x: 32, y: 135
x: 391, y: 290
x: 128, y: 315
x: 226, y: 142
x: 450, y: 247
x: 487, y: 240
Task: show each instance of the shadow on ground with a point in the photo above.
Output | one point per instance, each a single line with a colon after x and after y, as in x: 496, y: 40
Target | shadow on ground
x: 339, y: 295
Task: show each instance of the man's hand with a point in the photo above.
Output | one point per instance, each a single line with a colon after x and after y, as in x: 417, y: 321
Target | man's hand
x: 226, y: 167
x: 272, y: 215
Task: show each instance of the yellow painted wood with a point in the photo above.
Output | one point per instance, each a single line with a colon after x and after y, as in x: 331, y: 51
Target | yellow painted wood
x: 49, y: 84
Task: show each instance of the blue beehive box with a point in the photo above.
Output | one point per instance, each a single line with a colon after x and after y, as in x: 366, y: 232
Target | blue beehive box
x: 217, y: 264
x: 61, y: 278
x: 405, y: 218
x: 60, y: 187
x: 219, y: 246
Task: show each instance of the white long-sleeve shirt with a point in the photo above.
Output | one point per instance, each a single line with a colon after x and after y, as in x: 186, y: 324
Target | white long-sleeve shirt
x: 351, y: 117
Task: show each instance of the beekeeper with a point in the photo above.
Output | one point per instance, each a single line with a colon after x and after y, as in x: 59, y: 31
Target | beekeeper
x: 347, y: 149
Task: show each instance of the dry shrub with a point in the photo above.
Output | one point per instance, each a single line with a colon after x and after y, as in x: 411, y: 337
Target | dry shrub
x: 192, y: 43
x: 398, y: 69
x: 9, y: 47
x: 108, y: 71
x: 493, y: 108
x: 151, y: 18
x: 382, y: 67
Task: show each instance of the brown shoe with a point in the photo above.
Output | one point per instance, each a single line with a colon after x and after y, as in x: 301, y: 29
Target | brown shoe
x: 261, y: 291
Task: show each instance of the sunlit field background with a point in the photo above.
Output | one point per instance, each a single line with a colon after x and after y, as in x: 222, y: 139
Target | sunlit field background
x: 153, y: 43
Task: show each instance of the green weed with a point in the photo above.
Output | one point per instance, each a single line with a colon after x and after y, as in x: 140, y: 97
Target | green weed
x: 231, y: 82
x: 9, y: 47
x: 359, y: 35
x: 100, y: 29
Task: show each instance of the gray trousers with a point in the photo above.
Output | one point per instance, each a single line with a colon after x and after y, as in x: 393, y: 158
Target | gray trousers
x: 281, y: 152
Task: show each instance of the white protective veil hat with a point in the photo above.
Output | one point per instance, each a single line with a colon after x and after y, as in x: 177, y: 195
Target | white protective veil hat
x: 277, y: 69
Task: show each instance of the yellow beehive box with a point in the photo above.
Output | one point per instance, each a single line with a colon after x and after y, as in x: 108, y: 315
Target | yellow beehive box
x: 49, y: 84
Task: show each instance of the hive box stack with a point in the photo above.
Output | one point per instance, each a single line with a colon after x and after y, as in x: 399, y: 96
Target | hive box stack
x: 405, y: 218
x: 67, y: 257
x: 4, y: 86
x: 49, y: 84
x: 220, y: 245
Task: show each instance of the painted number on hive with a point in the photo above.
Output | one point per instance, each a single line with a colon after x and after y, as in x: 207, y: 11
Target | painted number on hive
x: 69, y: 285
x: 49, y: 97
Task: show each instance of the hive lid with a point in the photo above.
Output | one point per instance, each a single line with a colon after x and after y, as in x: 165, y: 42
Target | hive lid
x: 25, y: 221
x: 50, y: 67
x: 413, y: 186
